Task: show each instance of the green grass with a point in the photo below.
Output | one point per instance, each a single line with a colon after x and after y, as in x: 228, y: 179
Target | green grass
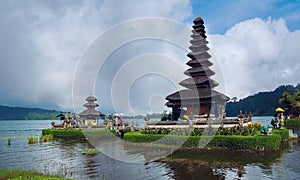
x: 89, y: 151
x: 25, y: 175
x: 292, y: 123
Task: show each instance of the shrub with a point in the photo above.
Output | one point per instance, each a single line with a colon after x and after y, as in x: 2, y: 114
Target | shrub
x: 250, y: 130
x: 174, y: 131
x: 246, y: 142
x: 61, y: 133
x: 137, y: 137
x: 76, y: 134
x: 46, y: 131
x: 293, y: 122
x: 218, y: 141
x: 284, y: 133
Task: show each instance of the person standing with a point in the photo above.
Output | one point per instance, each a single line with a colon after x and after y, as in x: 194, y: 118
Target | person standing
x: 281, y: 120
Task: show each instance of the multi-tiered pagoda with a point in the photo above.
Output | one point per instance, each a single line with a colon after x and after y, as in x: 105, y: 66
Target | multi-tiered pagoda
x: 199, y: 99
x: 90, y: 115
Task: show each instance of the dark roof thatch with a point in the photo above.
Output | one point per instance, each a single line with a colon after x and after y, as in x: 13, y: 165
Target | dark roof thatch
x: 199, y: 48
x: 91, y: 98
x: 198, y: 26
x: 199, y: 30
x: 198, y: 82
x: 198, y: 55
x: 198, y: 41
x: 90, y: 105
x: 199, y: 62
x: 199, y: 71
x: 195, y: 94
x: 198, y: 20
x: 90, y: 112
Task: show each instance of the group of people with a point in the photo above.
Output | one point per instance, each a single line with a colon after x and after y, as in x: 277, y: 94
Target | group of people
x: 67, y: 121
x: 114, y: 120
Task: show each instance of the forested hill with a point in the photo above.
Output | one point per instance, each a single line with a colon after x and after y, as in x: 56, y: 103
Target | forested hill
x: 260, y: 104
x: 21, y: 113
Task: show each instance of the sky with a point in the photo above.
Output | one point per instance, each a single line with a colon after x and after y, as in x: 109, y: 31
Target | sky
x: 44, y: 43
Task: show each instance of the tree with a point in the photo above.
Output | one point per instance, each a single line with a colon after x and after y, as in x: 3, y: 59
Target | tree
x: 291, y: 102
x: 296, y: 104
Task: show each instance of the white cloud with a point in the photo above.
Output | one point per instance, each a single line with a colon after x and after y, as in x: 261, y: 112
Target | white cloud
x: 41, y: 43
x: 257, y: 55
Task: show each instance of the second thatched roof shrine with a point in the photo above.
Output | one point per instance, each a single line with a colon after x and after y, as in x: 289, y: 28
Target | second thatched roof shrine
x: 90, y: 115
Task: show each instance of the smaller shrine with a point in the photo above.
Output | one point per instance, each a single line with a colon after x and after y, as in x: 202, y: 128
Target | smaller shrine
x: 90, y: 116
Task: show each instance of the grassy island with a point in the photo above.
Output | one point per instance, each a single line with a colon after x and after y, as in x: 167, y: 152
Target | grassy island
x: 246, y: 138
x: 24, y: 174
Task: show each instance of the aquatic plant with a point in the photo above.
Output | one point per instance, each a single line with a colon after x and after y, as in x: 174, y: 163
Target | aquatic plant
x: 89, y: 151
x: 32, y: 140
x: 46, y: 138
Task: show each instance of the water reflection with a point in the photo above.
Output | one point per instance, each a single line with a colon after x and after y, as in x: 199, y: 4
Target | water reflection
x: 191, y: 164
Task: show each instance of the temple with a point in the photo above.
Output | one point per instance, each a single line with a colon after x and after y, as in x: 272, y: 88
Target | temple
x: 199, y: 99
x: 90, y: 116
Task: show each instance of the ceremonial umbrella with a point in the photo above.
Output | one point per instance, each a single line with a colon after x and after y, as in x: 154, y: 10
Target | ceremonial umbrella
x: 280, y: 110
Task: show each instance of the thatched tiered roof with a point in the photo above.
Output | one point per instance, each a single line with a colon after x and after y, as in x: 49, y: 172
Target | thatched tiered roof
x: 199, y: 84
x: 90, y: 105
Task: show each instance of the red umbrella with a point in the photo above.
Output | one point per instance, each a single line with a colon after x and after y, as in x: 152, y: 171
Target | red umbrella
x: 121, y: 121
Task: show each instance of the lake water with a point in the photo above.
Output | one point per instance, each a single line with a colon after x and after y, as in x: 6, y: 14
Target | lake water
x: 61, y: 158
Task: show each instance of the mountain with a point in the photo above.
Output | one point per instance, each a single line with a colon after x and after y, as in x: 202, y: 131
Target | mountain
x: 22, y: 113
x: 260, y: 104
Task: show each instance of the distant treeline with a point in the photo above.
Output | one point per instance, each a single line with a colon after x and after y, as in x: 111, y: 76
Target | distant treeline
x: 21, y: 113
x: 260, y: 104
